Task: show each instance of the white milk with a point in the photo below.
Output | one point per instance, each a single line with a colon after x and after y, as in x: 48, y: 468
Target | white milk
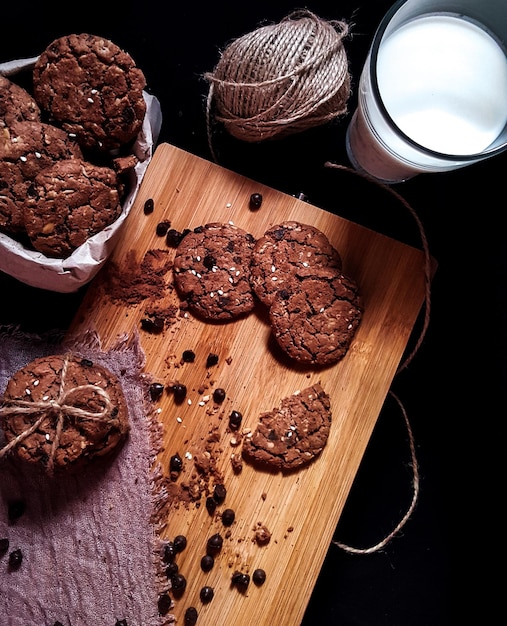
x: 443, y: 81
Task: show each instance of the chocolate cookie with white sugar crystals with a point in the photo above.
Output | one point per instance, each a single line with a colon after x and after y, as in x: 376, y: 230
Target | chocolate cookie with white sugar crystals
x: 212, y: 271
x: 293, y: 434
x: 16, y: 104
x: 61, y: 412
x: 93, y: 89
x: 26, y: 148
x: 282, y: 250
x: 315, y: 318
x: 68, y: 203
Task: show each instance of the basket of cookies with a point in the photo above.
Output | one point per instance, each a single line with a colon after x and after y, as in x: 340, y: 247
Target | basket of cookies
x: 75, y: 141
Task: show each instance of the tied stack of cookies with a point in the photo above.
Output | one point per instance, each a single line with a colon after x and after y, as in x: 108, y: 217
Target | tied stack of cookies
x: 66, y: 143
x: 60, y: 413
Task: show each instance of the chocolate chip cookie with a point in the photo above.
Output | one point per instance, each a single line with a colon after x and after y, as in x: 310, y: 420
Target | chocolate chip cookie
x: 62, y: 412
x: 16, y: 104
x: 26, y: 148
x: 212, y: 271
x: 92, y: 89
x: 282, y: 250
x: 293, y: 434
x: 316, y: 316
x: 68, y: 203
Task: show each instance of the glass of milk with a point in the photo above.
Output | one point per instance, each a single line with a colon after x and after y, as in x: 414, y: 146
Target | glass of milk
x: 433, y: 92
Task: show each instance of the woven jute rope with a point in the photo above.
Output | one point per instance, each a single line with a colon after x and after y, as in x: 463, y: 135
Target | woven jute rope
x: 54, y: 410
x: 404, y: 364
x: 281, y: 79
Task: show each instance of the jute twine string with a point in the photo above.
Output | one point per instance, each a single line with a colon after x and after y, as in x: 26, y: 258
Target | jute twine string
x: 56, y: 410
x: 281, y: 79
x: 405, y: 363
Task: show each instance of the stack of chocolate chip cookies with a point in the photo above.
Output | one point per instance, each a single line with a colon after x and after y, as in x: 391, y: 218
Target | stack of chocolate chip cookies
x: 62, y: 147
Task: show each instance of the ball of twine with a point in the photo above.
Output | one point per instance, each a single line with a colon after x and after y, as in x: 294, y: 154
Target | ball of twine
x: 281, y: 79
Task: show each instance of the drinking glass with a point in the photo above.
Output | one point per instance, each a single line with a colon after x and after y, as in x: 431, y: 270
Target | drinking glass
x: 432, y: 94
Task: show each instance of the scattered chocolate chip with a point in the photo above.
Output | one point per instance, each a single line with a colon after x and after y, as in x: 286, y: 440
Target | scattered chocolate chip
x: 156, y: 390
x: 153, y: 324
x: 206, y: 594
x: 255, y: 200
x: 214, y: 544
x: 4, y: 546
x: 149, y: 205
x: 178, y: 584
x: 228, y: 517
x: 212, y: 359
x: 180, y: 543
x: 15, y: 510
x: 164, y: 603
x: 173, y: 238
x: 240, y: 580
x: 188, y: 356
x: 175, y: 463
x: 259, y: 576
x: 191, y: 616
x: 219, y: 395
x: 179, y: 391
x: 162, y: 228
x: 211, y: 505
x: 15, y: 559
x: 119, y: 622
x: 207, y: 562
x: 171, y: 570
x: 57, y: 623
x: 169, y: 552
x: 219, y: 493
x: 235, y: 419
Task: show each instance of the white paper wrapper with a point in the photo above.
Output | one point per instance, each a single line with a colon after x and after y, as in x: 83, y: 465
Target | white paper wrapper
x: 68, y: 275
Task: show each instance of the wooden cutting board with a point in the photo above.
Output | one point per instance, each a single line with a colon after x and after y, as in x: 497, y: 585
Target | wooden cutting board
x: 301, y: 510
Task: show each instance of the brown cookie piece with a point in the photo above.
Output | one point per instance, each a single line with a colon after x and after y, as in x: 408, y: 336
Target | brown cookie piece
x: 282, y: 250
x: 316, y: 317
x: 212, y: 271
x: 26, y: 148
x: 70, y: 202
x: 91, y: 88
x: 64, y: 411
x: 293, y: 434
x: 16, y: 104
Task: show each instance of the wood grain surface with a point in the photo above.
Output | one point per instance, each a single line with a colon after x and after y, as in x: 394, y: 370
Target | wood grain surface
x: 301, y: 509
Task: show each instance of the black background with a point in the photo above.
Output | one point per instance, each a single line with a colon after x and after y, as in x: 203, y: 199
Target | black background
x: 448, y: 560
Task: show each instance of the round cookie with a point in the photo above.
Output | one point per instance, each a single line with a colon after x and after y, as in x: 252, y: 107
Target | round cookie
x: 212, y: 271
x: 293, y: 434
x: 316, y: 317
x: 16, y: 104
x: 69, y: 202
x: 65, y: 412
x: 91, y: 88
x: 26, y: 148
x: 282, y: 250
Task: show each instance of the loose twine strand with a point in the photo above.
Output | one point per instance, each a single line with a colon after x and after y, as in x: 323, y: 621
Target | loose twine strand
x: 427, y: 307
x: 280, y: 79
x: 59, y: 409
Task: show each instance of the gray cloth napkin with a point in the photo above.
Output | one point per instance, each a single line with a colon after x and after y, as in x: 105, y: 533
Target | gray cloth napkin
x: 91, y: 554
